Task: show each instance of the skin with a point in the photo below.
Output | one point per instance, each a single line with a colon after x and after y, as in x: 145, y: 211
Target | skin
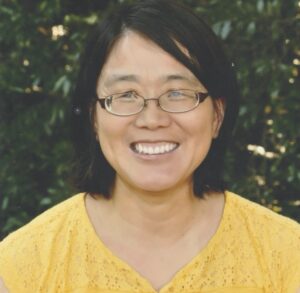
x: 153, y: 205
x: 194, y: 130
x: 3, y: 288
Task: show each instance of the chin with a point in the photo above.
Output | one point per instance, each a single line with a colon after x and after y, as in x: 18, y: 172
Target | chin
x: 156, y: 186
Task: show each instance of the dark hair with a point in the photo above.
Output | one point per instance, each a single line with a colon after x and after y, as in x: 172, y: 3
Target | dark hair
x: 166, y: 23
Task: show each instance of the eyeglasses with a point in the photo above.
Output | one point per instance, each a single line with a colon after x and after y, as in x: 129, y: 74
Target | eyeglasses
x: 173, y: 101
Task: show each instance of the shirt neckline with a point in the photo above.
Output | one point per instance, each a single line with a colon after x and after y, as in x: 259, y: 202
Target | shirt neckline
x: 125, y: 266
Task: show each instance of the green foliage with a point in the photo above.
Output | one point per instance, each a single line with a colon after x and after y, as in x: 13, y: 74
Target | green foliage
x: 40, y: 44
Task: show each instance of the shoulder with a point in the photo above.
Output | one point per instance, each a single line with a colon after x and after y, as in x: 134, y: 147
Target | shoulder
x: 274, y: 238
x: 261, y: 217
x: 264, y: 223
x: 267, y: 229
x: 26, y: 251
x: 48, y: 221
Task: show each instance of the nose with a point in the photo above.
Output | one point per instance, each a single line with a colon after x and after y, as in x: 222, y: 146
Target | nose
x: 152, y: 116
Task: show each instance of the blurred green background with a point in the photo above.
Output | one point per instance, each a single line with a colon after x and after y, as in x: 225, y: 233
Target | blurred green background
x: 40, y: 45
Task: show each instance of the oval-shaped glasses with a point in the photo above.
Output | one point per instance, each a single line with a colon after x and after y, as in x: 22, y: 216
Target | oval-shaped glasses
x: 173, y: 101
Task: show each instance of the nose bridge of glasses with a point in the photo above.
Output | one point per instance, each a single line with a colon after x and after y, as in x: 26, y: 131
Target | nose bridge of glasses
x: 146, y: 100
x: 152, y: 116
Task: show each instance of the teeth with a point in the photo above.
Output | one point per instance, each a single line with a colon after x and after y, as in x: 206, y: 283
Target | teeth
x: 154, y: 150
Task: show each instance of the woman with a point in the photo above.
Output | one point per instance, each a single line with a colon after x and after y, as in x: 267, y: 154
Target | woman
x: 154, y: 107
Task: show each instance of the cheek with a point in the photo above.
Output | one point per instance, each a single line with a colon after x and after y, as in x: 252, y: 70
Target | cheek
x: 111, y: 133
x: 107, y: 135
x: 201, y: 126
x: 102, y: 129
x: 104, y: 139
x: 200, y: 131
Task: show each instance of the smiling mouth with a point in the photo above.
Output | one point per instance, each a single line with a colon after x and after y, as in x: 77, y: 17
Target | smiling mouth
x: 154, y: 148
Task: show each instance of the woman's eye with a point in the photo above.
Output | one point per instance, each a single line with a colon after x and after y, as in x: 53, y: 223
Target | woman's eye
x: 127, y: 95
x: 176, y: 94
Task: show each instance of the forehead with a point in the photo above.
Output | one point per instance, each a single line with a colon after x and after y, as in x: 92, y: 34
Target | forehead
x: 134, y: 57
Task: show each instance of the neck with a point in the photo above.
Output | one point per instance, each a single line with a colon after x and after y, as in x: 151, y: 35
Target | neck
x: 164, y: 215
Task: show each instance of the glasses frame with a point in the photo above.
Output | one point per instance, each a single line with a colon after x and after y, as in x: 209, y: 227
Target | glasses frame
x: 199, y: 95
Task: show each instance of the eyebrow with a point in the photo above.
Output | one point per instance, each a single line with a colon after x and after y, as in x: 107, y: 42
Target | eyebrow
x: 115, y: 78
x: 180, y: 77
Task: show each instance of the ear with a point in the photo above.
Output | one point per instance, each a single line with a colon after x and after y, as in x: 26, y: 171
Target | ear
x: 219, y: 107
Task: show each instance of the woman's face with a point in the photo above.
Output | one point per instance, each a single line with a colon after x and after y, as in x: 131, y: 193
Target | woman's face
x: 183, y: 139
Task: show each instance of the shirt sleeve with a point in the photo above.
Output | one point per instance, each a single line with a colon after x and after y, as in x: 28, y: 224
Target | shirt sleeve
x: 7, y: 271
x: 291, y: 259
x: 16, y: 270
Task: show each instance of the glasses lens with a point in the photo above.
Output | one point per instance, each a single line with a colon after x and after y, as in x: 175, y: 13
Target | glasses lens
x: 124, y: 104
x: 178, y: 101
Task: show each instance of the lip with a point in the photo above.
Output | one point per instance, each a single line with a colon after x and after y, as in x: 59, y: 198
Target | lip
x: 153, y: 143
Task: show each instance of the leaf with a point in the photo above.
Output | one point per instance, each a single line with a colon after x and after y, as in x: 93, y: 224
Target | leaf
x: 260, y: 5
x: 251, y: 28
x: 63, y: 84
x: 222, y: 28
x: 226, y: 28
x: 5, y: 203
x: 66, y: 87
x: 59, y: 83
x: 6, y: 10
x: 45, y: 201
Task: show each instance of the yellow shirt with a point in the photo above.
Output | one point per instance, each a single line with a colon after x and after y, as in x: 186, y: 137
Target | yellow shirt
x: 254, y: 250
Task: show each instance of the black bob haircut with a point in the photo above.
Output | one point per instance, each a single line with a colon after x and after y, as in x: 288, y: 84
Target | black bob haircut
x: 167, y: 24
